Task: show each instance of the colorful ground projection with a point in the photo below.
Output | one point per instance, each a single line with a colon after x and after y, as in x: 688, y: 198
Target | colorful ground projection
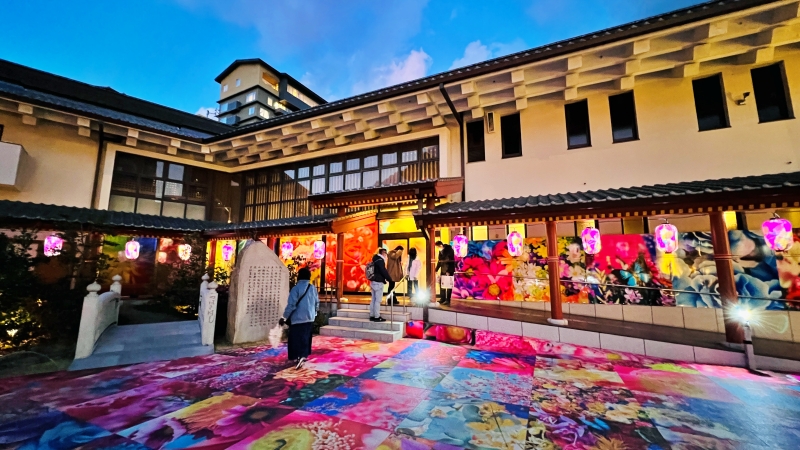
x: 504, y: 392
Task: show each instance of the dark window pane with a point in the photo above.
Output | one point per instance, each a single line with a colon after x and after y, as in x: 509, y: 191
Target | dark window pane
x: 175, y: 172
x: 476, y: 150
x: 199, y: 176
x: 511, y: 135
x: 623, y: 117
x: 126, y: 163
x: 709, y: 102
x: 772, y: 100
x: 288, y: 191
x: 302, y: 172
x: 577, y: 115
x: 123, y: 182
x: 197, y: 193
x: 160, y: 169
x: 303, y: 188
x: 173, y: 189
x: 249, y: 179
x: 148, y: 167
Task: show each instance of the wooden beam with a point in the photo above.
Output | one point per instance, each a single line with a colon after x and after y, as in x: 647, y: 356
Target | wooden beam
x: 518, y: 76
x: 84, y: 131
x: 437, y: 121
x: 423, y: 99
x: 403, y: 128
x: 341, y: 140
x: 468, y: 88
x: 521, y: 104
x: 316, y: 124
x: 639, y: 47
x: 331, y: 132
x: 624, y: 83
x: 314, y: 145
x: 348, y: 116
x: 711, y: 30
x: 574, y: 62
x: 209, y: 158
x: 473, y: 101
x: 386, y: 107
x: 395, y: 118
x: 571, y: 79
x: 757, y: 56
x: 133, y: 133
x: 28, y: 120
x: 131, y: 141
x: 686, y: 70
x: 205, y: 149
x: 520, y: 91
x: 570, y: 93
x: 370, y: 135
x: 432, y: 110
x: 261, y: 137
x: 361, y: 126
x: 172, y: 150
x: 25, y: 109
x: 175, y: 143
x: 477, y: 113
x: 84, y: 122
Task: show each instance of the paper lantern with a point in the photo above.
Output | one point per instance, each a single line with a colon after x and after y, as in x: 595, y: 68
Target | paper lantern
x: 165, y: 243
x: 590, y: 237
x: 162, y: 257
x: 227, y: 252
x: 460, y: 245
x: 184, y: 251
x: 667, y: 237
x: 131, y: 249
x: 286, y: 250
x: 319, y: 249
x: 514, y: 241
x: 53, y: 245
x: 778, y: 234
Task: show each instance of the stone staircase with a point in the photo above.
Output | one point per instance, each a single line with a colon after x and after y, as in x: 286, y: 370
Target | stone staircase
x: 132, y: 344
x: 353, y: 322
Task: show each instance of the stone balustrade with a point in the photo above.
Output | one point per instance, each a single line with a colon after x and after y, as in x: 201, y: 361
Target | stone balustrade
x: 207, y: 311
x: 100, y: 311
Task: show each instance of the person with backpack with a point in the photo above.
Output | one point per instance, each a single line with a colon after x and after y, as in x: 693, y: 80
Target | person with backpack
x: 412, y: 270
x: 300, y: 313
x: 447, y: 263
x: 378, y: 276
x: 394, y: 265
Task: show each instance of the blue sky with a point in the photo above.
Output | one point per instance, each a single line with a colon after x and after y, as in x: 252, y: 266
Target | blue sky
x: 169, y: 51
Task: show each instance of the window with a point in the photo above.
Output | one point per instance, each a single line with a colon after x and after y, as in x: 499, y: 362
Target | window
x: 476, y: 150
x: 577, y: 115
x: 263, y: 113
x: 238, y: 82
x: 251, y: 110
x: 772, y: 101
x: 251, y: 97
x: 225, y: 88
x: 623, y: 117
x: 709, y: 102
x: 511, y: 135
x: 269, y: 80
x: 1, y: 132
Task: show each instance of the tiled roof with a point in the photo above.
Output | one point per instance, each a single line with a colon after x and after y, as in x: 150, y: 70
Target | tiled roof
x: 11, y: 212
x: 275, y: 223
x: 606, y: 197
x: 632, y: 29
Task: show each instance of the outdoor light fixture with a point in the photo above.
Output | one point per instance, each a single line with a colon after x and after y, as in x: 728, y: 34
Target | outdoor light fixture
x: 184, y: 252
x: 319, y: 249
x: 590, y: 236
x: 460, y: 245
x: 667, y: 237
x: 162, y: 257
x: 286, y: 250
x: 514, y: 241
x: 778, y: 233
x: 131, y: 249
x: 227, y: 252
x: 53, y: 245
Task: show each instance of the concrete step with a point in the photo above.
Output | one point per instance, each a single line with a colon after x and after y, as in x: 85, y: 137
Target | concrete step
x: 361, y: 333
x: 111, y: 345
x: 163, y: 330
x: 352, y: 322
x: 399, y: 316
x: 140, y: 356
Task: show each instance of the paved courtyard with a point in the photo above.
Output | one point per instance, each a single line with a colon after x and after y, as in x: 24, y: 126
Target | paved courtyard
x: 411, y: 394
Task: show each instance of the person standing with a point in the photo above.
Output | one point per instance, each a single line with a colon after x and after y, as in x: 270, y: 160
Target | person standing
x: 300, y: 313
x: 413, y: 269
x: 447, y: 264
x: 394, y: 265
x: 379, y: 278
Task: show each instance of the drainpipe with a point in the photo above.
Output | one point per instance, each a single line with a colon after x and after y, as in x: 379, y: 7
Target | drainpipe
x: 100, y: 142
x: 460, y: 119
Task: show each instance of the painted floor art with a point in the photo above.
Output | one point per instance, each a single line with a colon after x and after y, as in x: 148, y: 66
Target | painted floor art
x: 502, y: 393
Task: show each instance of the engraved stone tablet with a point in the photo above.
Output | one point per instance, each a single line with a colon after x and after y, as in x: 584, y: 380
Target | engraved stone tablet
x: 258, y: 295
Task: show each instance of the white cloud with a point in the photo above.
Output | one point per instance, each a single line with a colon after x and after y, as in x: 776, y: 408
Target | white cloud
x: 477, y: 52
x: 414, y: 65
x: 209, y: 112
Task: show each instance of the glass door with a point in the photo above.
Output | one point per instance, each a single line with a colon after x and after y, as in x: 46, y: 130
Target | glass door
x: 407, y: 243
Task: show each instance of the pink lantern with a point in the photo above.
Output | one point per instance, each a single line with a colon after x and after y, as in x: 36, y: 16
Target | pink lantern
x: 319, y: 249
x: 667, y: 237
x: 184, y: 251
x: 514, y: 241
x: 227, y: 252
x: 162, y: 257
x: 53, y: 245
x: 286, y: 250
x: 591, y: 240
x: 460, y: 245
x: 131, y: 249
x: 778, y: 234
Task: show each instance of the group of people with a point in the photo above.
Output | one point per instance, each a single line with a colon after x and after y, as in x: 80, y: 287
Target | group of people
x: 387, y: 269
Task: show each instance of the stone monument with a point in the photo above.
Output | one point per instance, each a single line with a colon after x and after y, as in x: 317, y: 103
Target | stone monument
x: 258, y: 294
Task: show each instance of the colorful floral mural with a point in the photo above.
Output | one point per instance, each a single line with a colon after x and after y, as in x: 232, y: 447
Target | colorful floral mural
x: 630, y: 270
x: 360, y: 245
x: 303, y: 255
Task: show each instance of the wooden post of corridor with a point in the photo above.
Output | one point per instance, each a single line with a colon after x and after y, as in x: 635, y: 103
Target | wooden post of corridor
x: 726, y: 284
x: 431, y: 250
x: 553, y: 271
x: 342, y: 211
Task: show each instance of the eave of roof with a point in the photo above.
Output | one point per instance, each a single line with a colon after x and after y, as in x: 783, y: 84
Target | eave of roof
x: 396, y: 192
x: 630, y: 30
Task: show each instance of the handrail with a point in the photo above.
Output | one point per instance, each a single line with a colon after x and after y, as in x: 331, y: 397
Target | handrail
x: 391, y: 294
x: 625, y: 286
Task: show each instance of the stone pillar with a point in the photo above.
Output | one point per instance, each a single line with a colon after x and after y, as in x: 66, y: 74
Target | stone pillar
x: 726, y: 284
x: 553, y: 270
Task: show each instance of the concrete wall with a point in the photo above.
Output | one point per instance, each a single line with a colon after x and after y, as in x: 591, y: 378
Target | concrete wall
x: 670, y: 148
x: 62, y: 163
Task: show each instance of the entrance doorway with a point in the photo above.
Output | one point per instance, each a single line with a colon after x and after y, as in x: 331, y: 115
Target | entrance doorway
x: 407, y: 241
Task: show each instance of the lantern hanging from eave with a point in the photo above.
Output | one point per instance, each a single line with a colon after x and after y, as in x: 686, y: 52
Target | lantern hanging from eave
x: 778, y: 234
x: 227, y: 252
x: 460, y: 245
x: 590, y: 237
x: 666, y: 237
x: 287, y: 249
x: 319, y: 249
x: 131, y: 249
x: 515, y: 244
x: 162, y: 257
x: 53, y: 245
x: 184, y: 252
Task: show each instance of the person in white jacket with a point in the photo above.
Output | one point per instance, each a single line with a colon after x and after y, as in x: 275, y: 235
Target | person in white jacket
x: 412, y: 271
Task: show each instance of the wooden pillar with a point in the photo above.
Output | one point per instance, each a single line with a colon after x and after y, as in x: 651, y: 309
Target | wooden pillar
x: 212, y: 258
x: 726, y: 284
x: 431, y: 251
x: 339, y: 266
x: 553, y: 271
x: 431, y: 203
